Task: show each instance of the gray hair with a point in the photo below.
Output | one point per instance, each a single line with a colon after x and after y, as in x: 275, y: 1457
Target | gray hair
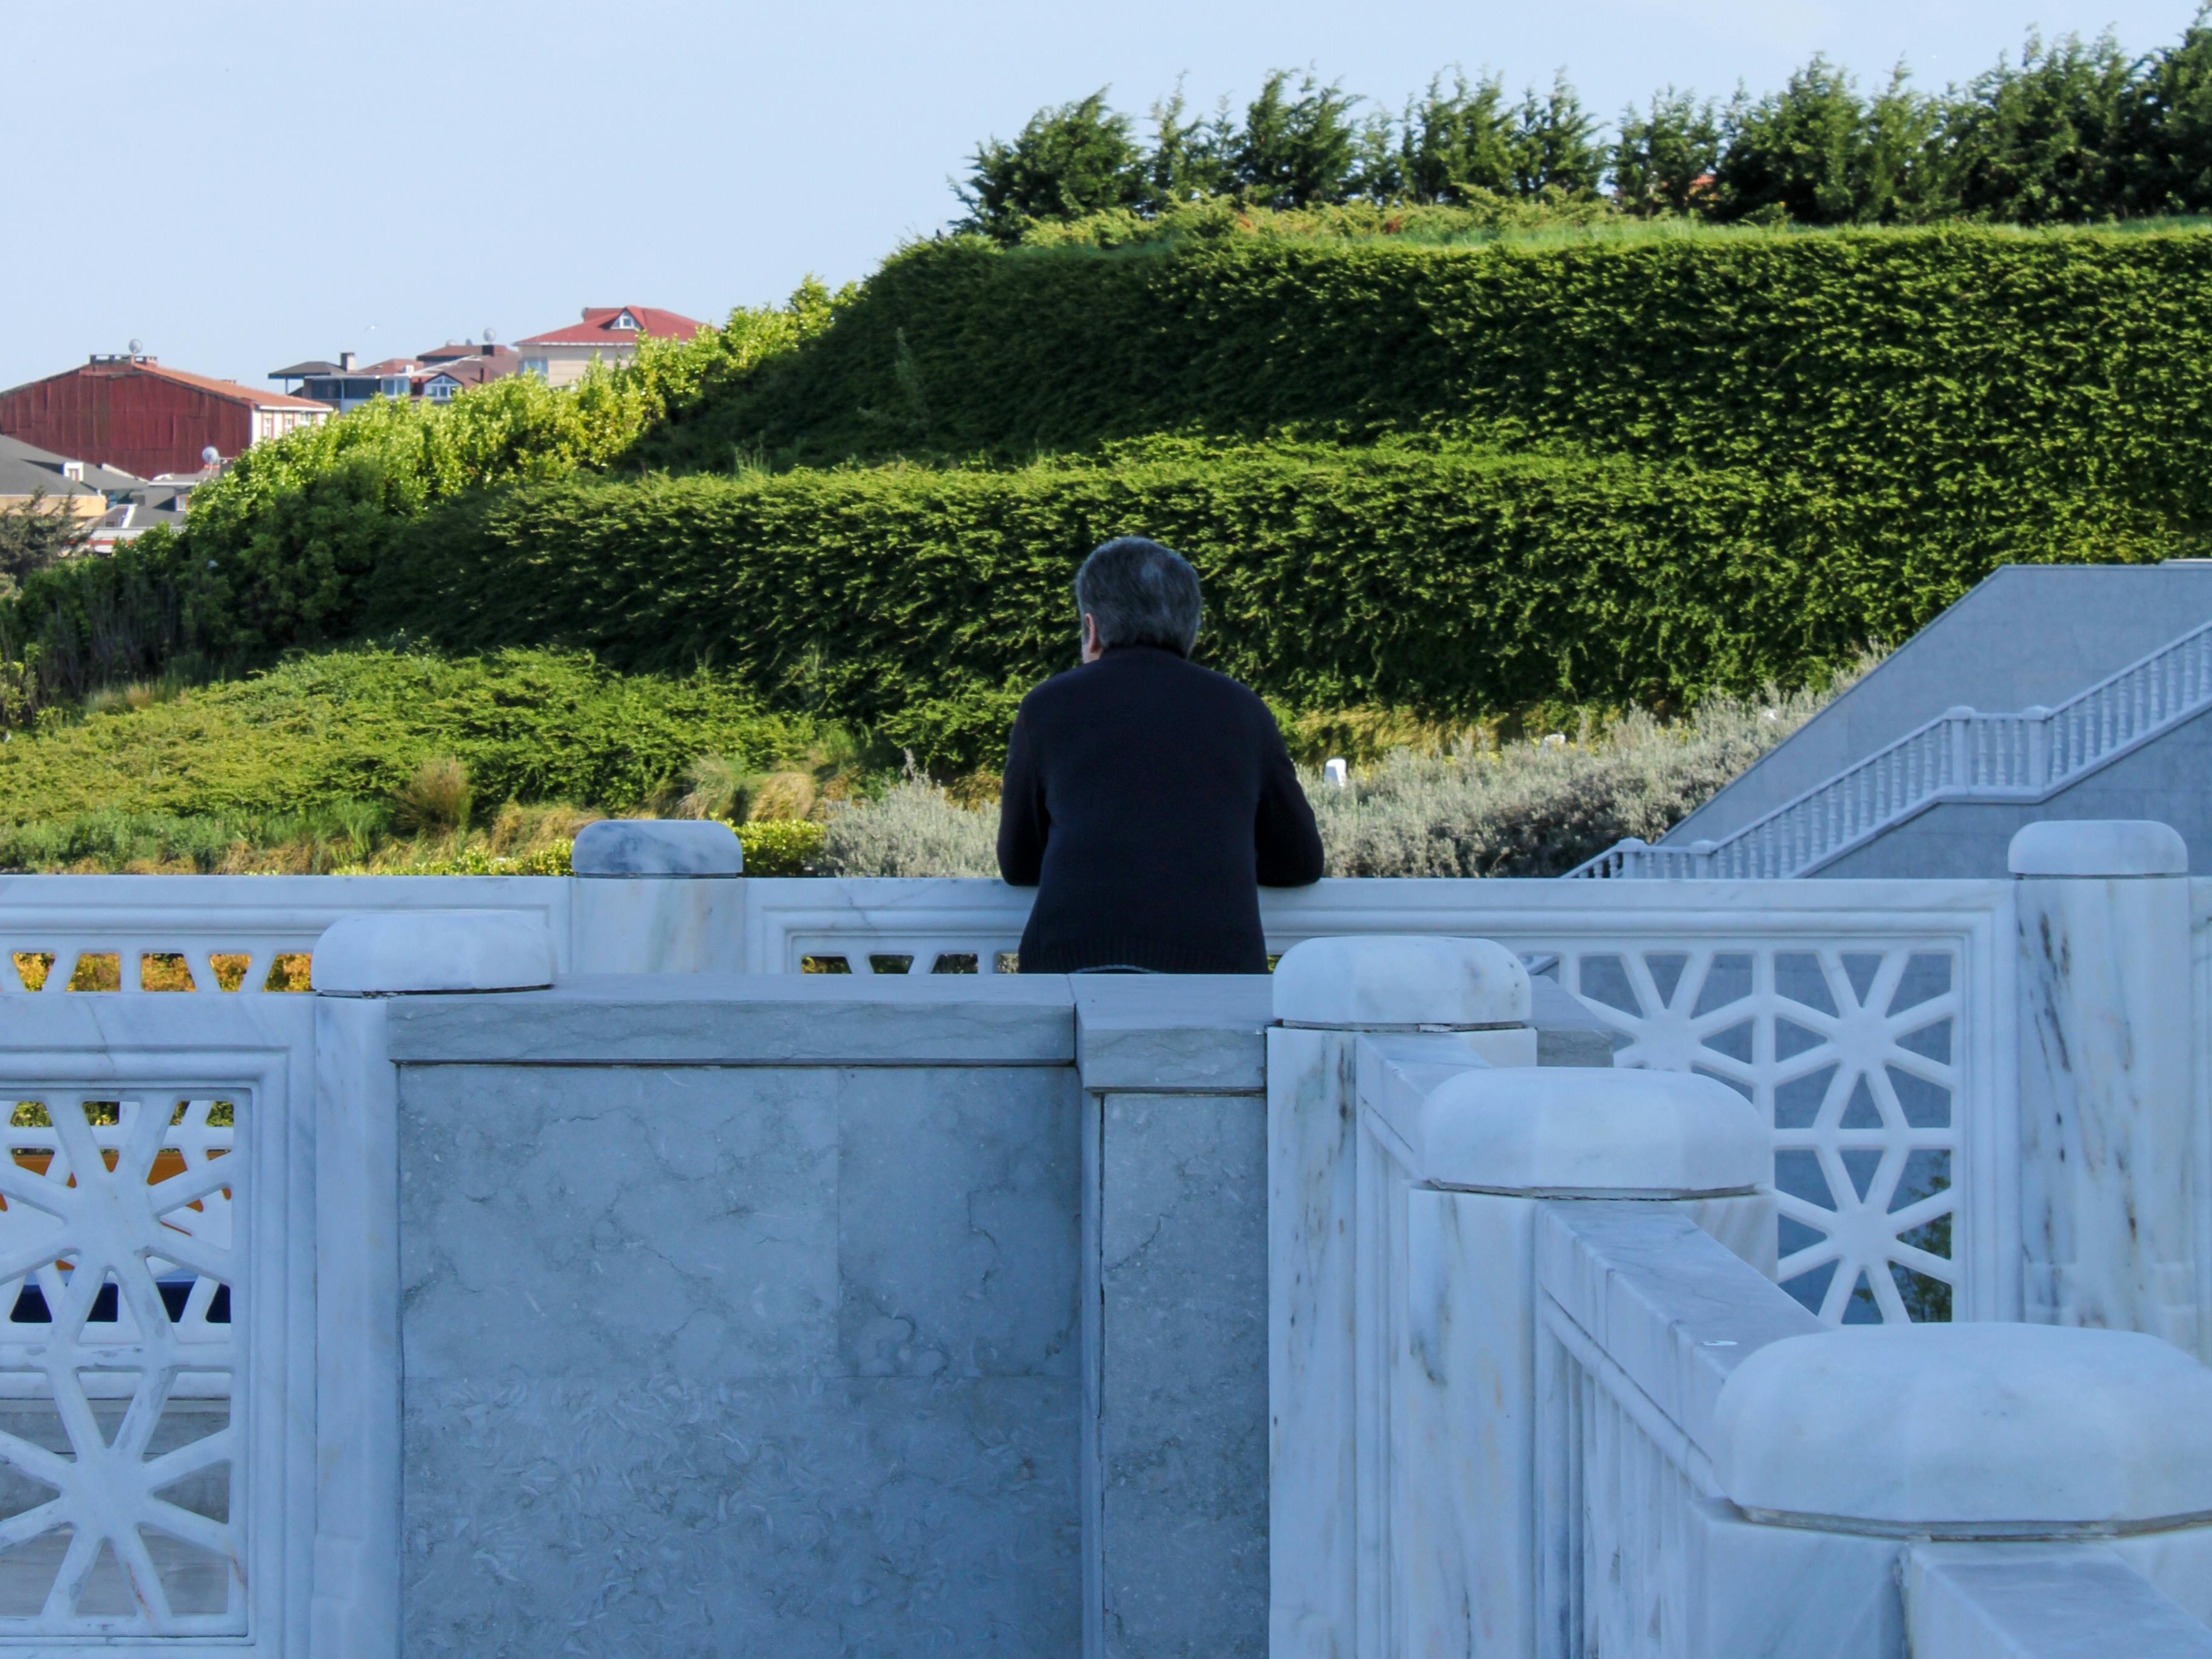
x: 1140, y: 593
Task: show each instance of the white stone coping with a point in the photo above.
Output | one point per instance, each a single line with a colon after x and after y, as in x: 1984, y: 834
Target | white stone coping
x: 393, y: 952
x: 633, y: 847
x: 749, y: 1020
x: 1400, y: 980
x: 2097, y: 847
x: 1974, y: 1430
x: 1576, y: 1132
x: 1986, y: 1601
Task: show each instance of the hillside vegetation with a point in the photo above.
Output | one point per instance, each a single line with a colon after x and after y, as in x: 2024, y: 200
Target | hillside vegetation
x: 1470, y: 481
x: 1440, y: 472
x: 2002, y: 371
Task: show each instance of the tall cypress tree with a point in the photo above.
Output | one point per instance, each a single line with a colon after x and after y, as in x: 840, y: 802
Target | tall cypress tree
x: 1296, y: 151
x: 1664, y: 158
x: 1555, y: 143
x: 1452, y: 143
x: 1071, y: 160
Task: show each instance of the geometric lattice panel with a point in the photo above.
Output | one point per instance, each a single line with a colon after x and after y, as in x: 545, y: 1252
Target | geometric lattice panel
x: 118, y: 1354
x: 1847, y: 1050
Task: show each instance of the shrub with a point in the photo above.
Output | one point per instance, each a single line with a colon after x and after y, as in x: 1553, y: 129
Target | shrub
x: 1970, y: 372
x: 911, y: 829
x: 435, y: 797
x: 353, y: 726
x: 1525, y: 808
x: 1454, y: 582
x: 1541, y: 808
x: 781, y: 846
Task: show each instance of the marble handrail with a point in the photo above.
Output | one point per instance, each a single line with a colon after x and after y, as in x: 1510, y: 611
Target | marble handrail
x: 1962, y: 755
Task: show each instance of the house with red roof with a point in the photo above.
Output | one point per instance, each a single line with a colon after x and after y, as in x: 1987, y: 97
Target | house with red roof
x: 133, y: 412
x: 606, y: 334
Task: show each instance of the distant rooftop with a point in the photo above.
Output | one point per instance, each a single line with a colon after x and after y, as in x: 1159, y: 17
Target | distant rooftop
x: 617, y: 326
x: 102, y: 365
x: 26, y: 469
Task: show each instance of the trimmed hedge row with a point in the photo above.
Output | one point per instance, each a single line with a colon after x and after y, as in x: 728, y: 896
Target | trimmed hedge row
x: 919, y: 602
x: 1915, y: 370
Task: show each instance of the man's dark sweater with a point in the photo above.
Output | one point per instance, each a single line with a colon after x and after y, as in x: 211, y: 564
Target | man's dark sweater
x: 1148, y: 800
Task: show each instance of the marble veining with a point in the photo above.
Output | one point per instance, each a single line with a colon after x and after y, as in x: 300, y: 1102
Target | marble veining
x: 710, y: 1359
x: 2108, y: 1142
x: 1182, y: 1426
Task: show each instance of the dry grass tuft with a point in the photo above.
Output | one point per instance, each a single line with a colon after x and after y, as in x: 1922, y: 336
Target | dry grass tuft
x: 436, y: 798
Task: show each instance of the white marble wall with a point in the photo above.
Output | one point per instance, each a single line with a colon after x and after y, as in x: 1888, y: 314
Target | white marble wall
x: 772, y: 1349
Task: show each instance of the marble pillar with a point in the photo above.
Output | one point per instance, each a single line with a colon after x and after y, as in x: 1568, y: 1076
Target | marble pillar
x: 361, y: 964
x: 655, y: 896
x: 1472, y: 997
x: 2110, y: 1130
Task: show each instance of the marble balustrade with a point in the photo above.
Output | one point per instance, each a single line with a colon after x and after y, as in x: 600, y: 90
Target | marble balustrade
x: 894, y: 1310
x: 1564, y: 1409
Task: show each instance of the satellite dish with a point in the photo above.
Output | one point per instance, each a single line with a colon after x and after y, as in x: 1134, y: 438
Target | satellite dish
x: 491, y: 336
x: 210, y: 456
x: 137, y: 348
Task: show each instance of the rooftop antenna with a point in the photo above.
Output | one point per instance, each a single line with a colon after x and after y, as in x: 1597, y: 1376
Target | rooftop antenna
x: 137, y: 348
x: 490, y: 336
x: 210, y: 456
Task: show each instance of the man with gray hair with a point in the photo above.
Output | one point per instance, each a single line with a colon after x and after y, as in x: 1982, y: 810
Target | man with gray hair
x: 1147, y: 799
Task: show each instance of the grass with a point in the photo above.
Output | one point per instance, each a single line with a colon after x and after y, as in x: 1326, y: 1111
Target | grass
x: 374, y: 759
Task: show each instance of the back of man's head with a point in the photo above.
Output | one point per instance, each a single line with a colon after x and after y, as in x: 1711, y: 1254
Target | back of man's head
x: 1140, y: 593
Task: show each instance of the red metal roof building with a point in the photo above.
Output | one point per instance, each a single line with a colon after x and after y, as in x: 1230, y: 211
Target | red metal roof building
x: 609, y: 334
x: 132, y: 414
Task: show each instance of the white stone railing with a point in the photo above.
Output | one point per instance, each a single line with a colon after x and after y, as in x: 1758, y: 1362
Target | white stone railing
x: 1532, y: 1392
x: 1959, y: 755
x: 1875, y: 1026
x: 1504, y: 1341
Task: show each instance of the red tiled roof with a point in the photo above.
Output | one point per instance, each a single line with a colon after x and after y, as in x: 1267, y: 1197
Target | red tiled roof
x: 229, y: 388
x: 598, y: 328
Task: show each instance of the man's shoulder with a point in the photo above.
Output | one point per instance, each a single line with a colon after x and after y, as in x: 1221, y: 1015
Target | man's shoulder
x: 1074, y: 686
x: 1048, y: 694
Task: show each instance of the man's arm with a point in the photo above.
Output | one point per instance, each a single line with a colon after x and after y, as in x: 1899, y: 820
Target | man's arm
x: 1023, y: 824
x: 1289, y: 846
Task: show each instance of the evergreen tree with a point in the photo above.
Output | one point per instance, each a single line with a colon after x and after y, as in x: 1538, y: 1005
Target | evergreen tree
x: 1451, y: 144
x: 2045, y: 140
x: 1072, y: 160
x: 1555, y: 143
x: 35, y: 533
x: 1664, y: 158
x: 1189, y: 157
x: 1297, y: 152
x: 1904, y: 172
x: 2166, y: 163
x: 1794, y: 154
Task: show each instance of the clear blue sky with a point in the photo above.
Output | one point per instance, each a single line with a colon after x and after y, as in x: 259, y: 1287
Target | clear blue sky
x: 241, y: 184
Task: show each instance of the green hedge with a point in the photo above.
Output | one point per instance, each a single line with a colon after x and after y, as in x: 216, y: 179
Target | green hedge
x: 918, y: 602
x: 1913, y: 370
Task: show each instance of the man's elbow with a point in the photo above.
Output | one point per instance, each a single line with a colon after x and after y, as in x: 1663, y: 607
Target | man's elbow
x: 1019, y: 866
x: 1301, y: 870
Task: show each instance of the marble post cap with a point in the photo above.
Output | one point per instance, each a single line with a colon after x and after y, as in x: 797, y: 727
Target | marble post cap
x: 657, y: 846
x: 1999, y: 1429
x: 2098, y: 846
x: 1583, y: 1131
x: 433, y: 950
x: 1384, y: 979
